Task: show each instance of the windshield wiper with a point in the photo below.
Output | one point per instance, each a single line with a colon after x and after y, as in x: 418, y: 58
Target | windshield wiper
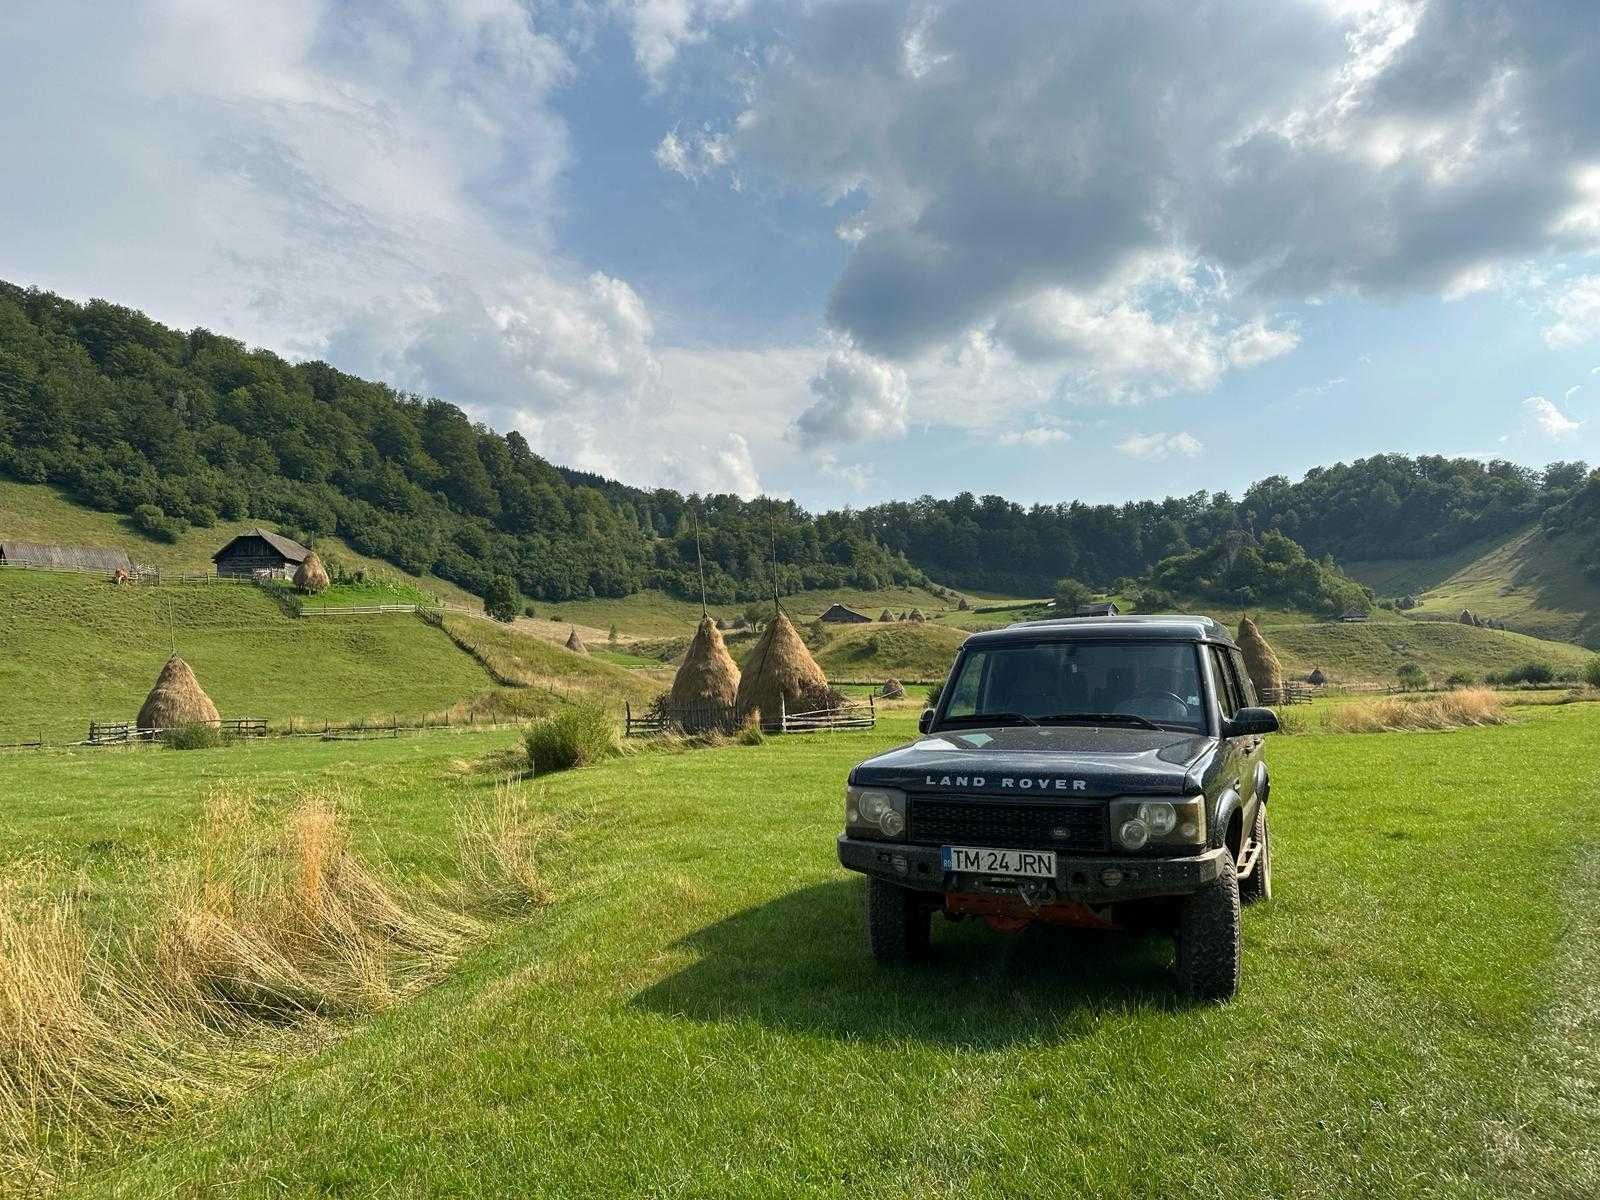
x: 1092, y: 718
x: 993, y: 718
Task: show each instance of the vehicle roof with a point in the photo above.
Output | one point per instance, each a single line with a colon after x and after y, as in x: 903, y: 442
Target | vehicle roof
x: 1154, y: 628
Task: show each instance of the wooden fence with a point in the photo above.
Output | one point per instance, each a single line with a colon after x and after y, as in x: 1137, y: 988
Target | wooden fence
x: 116, y: 733
x: 721, y: 718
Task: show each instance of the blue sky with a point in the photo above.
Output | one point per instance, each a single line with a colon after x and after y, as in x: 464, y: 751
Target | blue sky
x: 848, y: 250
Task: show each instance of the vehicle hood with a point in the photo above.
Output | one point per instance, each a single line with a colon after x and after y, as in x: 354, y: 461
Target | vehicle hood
x: 1064, y: 761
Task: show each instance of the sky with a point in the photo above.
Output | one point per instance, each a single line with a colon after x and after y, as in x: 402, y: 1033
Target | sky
x: 848, y: 251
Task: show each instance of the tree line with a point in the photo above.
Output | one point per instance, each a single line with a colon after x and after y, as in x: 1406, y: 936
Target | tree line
x: 178, y: 429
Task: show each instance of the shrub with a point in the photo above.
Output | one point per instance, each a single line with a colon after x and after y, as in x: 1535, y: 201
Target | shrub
x: 1069, y: 594
x: 529, y: 611
x: 578, y: 737
x: 194, y: 737
x: 934, y: 693
x: 151, y: 520
x: 1458, y: 679
x: 1591, y: 672
x: 1528, y: 672
x: 500, y: 599
x: 1411, y: 676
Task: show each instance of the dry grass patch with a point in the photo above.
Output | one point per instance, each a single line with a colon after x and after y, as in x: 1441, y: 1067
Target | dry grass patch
x: 264, y: 927
x: 1442, y: 710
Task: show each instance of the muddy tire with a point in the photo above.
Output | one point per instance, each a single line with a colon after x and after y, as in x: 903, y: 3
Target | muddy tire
x: 898, y: 923
x: 1258, y: 884
x: 1208, y: 938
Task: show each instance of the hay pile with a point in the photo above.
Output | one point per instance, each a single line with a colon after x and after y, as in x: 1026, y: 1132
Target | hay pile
x: 708, y: 676
x: 1265, y: 670
x: 177, y: 700
x: 311, y: 577
x: 575, y: 643
x: 892, y: 689
x: 1317, y: 678
x: 1466, y: 617
x: 915, y: 615
x: 780, y: 668
x: 886, y: 615
x: 962, y: 605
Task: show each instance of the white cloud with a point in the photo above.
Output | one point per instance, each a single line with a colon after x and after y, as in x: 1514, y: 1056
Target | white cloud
x: 661, y: 28
x: 1577, y: 313
x: 856, y: 397
x: 695, y: 156
x: 1253, y: 344
x: 1549, y: 419
x: 1153, y: 447
x: 1039, y: 435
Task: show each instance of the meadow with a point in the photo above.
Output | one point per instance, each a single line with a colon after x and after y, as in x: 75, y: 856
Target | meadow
x: 694, y: 1013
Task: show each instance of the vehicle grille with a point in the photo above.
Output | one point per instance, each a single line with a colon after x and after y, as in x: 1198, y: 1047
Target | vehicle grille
x: 935, y: 821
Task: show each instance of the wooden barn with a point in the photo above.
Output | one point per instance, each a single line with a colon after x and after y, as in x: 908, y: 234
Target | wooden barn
x: 1100, y: 608
x: 64, y: 558
x: 257, y: 552
x: 840, y: 615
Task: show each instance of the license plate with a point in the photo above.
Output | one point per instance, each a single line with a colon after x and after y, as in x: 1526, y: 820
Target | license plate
x: 978, y: 861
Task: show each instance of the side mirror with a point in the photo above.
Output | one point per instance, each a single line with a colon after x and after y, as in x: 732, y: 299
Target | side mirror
x: 1248, y: 722
x: 925, y: 721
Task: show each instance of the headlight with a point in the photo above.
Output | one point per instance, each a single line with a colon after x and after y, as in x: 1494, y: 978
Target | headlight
x: 874, y: 812
x: 1137, y: 822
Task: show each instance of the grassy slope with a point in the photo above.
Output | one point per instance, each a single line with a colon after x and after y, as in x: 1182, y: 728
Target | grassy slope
x: 712, y: 1025
x: 35, y: 513
x: 1373, y: 651
x: 80, y: 648
x: 905, y: 650
x: 531, y: 660
x: 656, y: 614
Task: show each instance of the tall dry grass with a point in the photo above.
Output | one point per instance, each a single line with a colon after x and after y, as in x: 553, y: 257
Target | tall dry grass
x: 1441, y: 710
x: 264, y: 925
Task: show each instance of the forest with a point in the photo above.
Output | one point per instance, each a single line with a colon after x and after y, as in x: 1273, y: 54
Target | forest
x: 179, y: 429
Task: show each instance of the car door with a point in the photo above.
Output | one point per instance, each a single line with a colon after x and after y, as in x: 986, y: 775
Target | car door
x: 1238, y: 765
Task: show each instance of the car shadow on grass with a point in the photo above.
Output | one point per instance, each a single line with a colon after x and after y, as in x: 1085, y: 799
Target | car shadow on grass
x: 799, y: 962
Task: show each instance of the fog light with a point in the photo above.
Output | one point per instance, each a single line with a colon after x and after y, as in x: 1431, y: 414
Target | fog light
x: 892, y: 821
x: 1134, y: 834
x: 1111, y: 877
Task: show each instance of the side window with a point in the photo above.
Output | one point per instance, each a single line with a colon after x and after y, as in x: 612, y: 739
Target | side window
x: 1247, y: 686
x: 1227, y: 689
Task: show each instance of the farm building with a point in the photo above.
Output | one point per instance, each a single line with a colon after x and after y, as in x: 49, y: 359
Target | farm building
x: 257, y: 552
x: 1353, y: 616
x: 64, y: 558
x: 838, y: 613
x: 1100, y: 608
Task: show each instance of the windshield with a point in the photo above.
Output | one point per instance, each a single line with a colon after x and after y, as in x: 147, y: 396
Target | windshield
x: 1138, y: 684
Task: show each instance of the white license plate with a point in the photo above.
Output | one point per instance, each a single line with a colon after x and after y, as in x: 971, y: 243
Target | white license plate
x: 978, y: 861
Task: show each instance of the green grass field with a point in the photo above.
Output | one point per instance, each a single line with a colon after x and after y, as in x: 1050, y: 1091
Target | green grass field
x: 696, y: 1014
x: 1373, y: 651
x: 905, y: 650
x: 656, y: 614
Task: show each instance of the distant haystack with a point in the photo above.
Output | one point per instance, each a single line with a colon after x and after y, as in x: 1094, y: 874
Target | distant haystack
x: 1316, y: 677
x: 311, y: 577
x: 780, y: 675
x: 575, y: 643
x: 708, y: 680
x: 901, y: 617
x: 724, y: 623
x: 177, y: 700
x: 962, y: 605
x: 1466, y: 617
x: 915, y: 615
x: 886, y: 615
x: 1265, y: 670
x: 892, y: 689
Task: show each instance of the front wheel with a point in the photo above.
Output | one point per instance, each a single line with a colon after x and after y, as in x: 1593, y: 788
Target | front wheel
x: 1208, y: 937
x: 1258, y: 884
x: 897, y: 922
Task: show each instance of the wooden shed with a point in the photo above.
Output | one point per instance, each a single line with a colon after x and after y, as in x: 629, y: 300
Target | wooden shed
x: 1100, y: 608
x: 839, y: 614
x: 257, y: 552
x: 64, y: 558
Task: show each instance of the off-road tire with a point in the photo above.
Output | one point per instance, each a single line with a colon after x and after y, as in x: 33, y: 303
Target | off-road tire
x: 898, y: 922
x: 1208, y: 937
x: 1258, y: 884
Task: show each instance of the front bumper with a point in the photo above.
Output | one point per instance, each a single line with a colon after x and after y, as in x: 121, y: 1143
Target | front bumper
x: 1082, y: 878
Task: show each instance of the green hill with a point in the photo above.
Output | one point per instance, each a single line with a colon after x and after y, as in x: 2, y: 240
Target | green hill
x: 905, y: 650
x: 1372, y: 652
x: 78, y: 649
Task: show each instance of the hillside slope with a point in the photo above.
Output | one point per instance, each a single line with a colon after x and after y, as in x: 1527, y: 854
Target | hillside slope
x: 1534, y: 581
x: 78, y: 649
x: 1373, y: 652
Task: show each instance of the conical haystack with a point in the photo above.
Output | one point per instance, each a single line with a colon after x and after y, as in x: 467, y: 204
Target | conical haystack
x: 1265, y: 671
x: 708, y: 679
x: 780, y: 675
x: 177, y: 700
x: 886, y: 615
x: 915, y: 615
x: 892, y: 689
x: 575, y: 643
x: 1466, y: 617
x: 1316, y: 678
x: 311, y: 576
